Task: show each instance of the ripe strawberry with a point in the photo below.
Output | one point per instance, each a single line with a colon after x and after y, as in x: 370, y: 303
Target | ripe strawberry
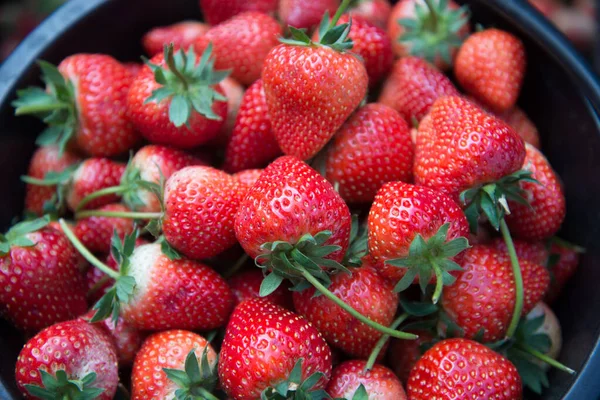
x: 168, y: 367
x: 487, y: 283
x: 182, y: 35
x: 174, y: 103
x: 534, y: 252
x: 311, y: 90
x: 372, y: 148
x: 234, y: 93
x: 217, y: 11
x: 40, y: 278
x: 413, y: 86
x: 96, y: 232
x: 404, y: 354
x: 71, y: 360
x: 246, y: 285
x: 252, y: 143
x: 247, y: 178
x: 45, y: 160
x: 366, y: 292
x: 374, y: 11
x: 490, y: 66
x: 84, y: 103
x: 544, y: 214
x: 134, y: 68
x: 249, y: 367
x: 305, y: 13
x: 519, y: 121
x: 461, y: 368
x: 379, y: 383
x: 242, y: 44
x: 563, y: 262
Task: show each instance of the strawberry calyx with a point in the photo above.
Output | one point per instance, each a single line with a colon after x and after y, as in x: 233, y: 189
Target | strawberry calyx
x: 294, y: 388
x: 358, y: 244
x: 187, y: 84
x: 60, y: 386
x: 435, y: 30
x: 430, y: 257
x: 16, y: 235
x: 197, y: 380
x: 55, y: 106
x: 63, y: 181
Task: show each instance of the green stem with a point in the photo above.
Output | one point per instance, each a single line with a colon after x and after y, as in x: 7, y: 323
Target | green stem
x: 545, y: 358
x: 101, y: 193
x: 381, y: 342
x: 439, y: 281
x: 173, y: 68
x: 98, y: 285
x: 36, y: 181
x: 37, y: 108
x: 206, y: 394
x: 236, y: 267
x: 341, y: 9
x: 516, y: 269
x: 118, y: 214
x: 327, y: 293
x: 433, y: 13
x: 86, y: 253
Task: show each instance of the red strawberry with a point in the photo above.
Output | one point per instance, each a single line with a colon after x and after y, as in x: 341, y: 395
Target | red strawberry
x: 490, y: 66
x: 246, y: 285
x: 519, y: 121
x: 372, y: 148
x: 459, y: 125
x: 242, y: 44
x: 365, y: 291
x: 413, y: 86
x: 45, y: 160
x: 546, y: 211
x: 562, y: 263
x: 248, y: 178
x: 252, y: 142
x: 217, y: 11
x: 40, y: 277
x: 534, y: 252
x: 404, y: 354
x: 182, y: 35
x: 379, y: 382
x: 92, y: 175
x: 311, y: 90
x: 234, y: 93
x: 483, y: 297
x: 172, y: 103
x: 134, y: 68
x: 167, y: 355
x: 89, y: 92
x: 68, y: 360
x: 96, y: 232
x: 460, y: 368
x: 374, y: 11
x: 250, y: 364
x: 305, y: 13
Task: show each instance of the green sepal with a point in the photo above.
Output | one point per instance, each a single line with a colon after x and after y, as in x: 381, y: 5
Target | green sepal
x: 294, y: 388
x: 62, y: 180
x: 358, y: 244
x: 60, y: 387
x: 333, y: 36
x: 16, y: 235
x: 361, y: 393
x: 196, y: 379
x: 168, y: 250
x: 417, y: 308
x: 132, y: 184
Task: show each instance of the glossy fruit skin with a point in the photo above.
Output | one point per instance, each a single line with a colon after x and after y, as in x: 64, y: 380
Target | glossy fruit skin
x: 247, y: 178
x: 305, y: 13
x: 521, y: 123
x: 134, y: 68
x: 262, y: 344
x: 483, y: 296
x: 167, y: 349
x: 400, y: 212
x: 547, y: 205
x: 461, y: 368
x: 152, y: 119
x: 217, y: 11
x: 562, y: 271
x: 101, y: 87
x: 310, y: 92
x: 380, y: 382
x: 246, y: 285
x: 535, y: 252
x: 92, y: 175
x: 74, y: 346
x: 182, y: 35
x: 374, y: 11
x: 96, y: 232
x: 253, y: 142
x: 460, y: 125
x: 490, y: 66
x: 175, y: 294
x: 200, y: 207
x: 41, y: 285
x: 372, y: 148
x: 45, y: 159
x: 242, y: 44
x: 404, y: 354
x: 289, y: 200
x: 365, y: 291
x: 413, y: 86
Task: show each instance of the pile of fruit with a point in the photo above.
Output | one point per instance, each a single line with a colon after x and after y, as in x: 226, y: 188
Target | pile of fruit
x: 399, y: 242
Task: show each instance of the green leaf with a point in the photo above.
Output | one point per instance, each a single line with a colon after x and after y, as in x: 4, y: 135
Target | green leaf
x: 324, y: 25
x: 270, y: 284
x: 179, y: 377
x: 418, y: 309
x: 179, y: 110
x: 406, y: 280
x: 299, y: 35
x: 333, y: 34
x: 361, y: 393
x: 169, y: 250
x: 105, y: 306
x: 159, y: 95
x: 296, y: 373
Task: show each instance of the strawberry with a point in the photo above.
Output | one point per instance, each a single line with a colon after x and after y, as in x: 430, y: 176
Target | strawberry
x: 416, y: 233
x: 176, y: 100
x: 96, y: 232
x: 247, y: 178
x: 534, y: 252
x: 350, y: 378
x: 134, y: 68
x: 487, y: 283
x: 252, y: 143
x: 413, y: 86
x: 374, y: 11
x: 242, y: 44
x: 40, y: 278
x: 234, y: 93
x: 251, y: 365
x: 542, y: 217
x: 562, y: 262
x: 429, y: 29
x: 45, y: 160
x: 305, y: 13
x: 546, y: 7
x: 182, y: 35
x: 490, y: 66
x: 83, y: 104
x: 461, y: 368
x: 168, y: 367
x: 69, y: 360
x: 246, y: 285
x: 519, y: 121
x: 217, y: 11
x: 550, y: 326
x: 312, y: 89
x: 404, y: 354
x: 372, y: 148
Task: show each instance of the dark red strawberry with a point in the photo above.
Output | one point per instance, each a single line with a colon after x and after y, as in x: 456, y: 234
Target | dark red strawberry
x: 246, y: 285
x: 182, y: 35
x: 96, y: 232
x: 519, y: 121
x: 376, y: 12
x: 404, y: 354
x: 378, y: 382
x: 562, y: 262
x: 217, y: 11
x: 248, y: 178
x: 305, y: 13
x: 134, y: 68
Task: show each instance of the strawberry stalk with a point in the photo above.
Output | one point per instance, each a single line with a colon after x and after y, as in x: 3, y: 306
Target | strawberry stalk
x: 381, y: 342
x: 119, y: 190
x: 341, y: 9
x: 118, y: 214
x: 516, y: 269
x: 543, y: 357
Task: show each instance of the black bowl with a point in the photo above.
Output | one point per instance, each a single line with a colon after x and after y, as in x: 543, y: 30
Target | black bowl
x: 561, y: 95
